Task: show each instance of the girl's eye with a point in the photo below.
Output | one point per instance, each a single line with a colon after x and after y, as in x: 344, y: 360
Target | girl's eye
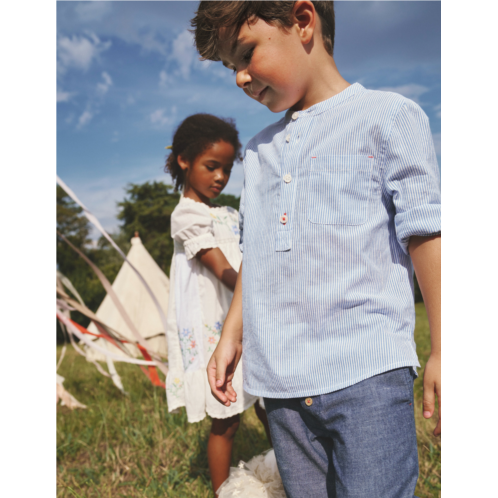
x: 210, y: 168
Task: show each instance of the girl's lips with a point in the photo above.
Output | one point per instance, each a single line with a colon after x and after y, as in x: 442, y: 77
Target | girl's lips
x: 216, y: 189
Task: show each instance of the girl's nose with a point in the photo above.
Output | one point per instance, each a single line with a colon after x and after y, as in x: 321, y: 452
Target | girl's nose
x: 243, y: 79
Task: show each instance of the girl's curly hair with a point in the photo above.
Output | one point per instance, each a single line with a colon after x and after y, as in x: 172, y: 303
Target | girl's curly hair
x: 196, y: 134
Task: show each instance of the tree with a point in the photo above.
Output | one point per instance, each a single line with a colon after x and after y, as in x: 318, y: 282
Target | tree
x: 147, y: 210
x: 228, y: 200
x: 76, y: 228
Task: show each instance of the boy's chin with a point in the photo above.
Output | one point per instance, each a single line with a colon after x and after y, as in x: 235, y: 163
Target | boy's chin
x: 277, y: 107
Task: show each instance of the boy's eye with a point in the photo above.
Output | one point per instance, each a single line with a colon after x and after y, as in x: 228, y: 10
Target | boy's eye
x: 247, y: 55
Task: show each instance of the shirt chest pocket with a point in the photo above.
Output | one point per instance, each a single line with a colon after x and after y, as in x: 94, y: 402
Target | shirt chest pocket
x: 340, y: 190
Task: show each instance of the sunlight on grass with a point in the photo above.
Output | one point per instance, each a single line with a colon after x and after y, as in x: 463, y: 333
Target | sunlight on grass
x: 130, y: 446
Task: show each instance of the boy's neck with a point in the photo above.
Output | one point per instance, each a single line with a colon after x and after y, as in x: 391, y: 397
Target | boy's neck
x: 325, y: 82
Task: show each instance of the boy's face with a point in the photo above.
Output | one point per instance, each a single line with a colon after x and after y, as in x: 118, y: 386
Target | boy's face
x: 269, y: 63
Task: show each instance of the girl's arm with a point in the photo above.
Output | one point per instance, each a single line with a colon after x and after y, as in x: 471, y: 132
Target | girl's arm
x: 214, y: 260
x: 226, y: 356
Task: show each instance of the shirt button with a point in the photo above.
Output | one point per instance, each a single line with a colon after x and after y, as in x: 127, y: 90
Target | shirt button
x: 283, y: 219
x: 295, y: 115
x: 287, y: 138
x: 287, y: 178
x: 308, y: 401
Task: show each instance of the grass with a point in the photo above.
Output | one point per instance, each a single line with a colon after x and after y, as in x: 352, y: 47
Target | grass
x: 130, y: 446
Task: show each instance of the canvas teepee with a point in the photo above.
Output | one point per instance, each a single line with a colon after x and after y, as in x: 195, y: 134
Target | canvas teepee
x: 137, y: 302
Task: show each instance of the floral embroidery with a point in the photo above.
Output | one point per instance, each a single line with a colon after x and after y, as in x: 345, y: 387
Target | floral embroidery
x: 228, y: 221
x: 175, y: 388
x: 213, y: 335
x: 188, y: 346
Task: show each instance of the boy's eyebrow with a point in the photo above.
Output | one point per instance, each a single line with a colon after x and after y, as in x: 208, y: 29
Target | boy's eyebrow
x: 237, y: 43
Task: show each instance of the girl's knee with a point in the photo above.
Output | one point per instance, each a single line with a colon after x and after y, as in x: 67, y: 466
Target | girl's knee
x: 226, y: 427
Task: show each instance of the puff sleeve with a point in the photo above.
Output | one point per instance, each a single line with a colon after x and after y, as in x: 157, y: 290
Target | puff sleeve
x: 192, y: 226
x: 411, y: 175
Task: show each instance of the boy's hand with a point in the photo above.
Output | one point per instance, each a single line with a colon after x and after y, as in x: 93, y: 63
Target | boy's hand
x: 221, y: 369
x: 432, y: 387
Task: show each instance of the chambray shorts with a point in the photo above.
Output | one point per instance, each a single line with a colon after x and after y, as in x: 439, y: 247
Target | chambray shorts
x: 358, y: 442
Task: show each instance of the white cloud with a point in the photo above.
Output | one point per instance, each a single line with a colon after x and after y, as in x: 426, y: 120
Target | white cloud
x: 79, y: 51
x: 437, y: 109
x: 85, y: 118
x: 411, y: 91
x: 163, y: 78
x: 160, y: 117
x: 92, y: 11
x: 115, y: 137
x: 102, y: 88
x: 184, y: 53
x: 64, y: 96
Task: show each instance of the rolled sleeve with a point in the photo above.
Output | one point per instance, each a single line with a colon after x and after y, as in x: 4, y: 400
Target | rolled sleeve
x: 192, y: 226
x: 411, y: 175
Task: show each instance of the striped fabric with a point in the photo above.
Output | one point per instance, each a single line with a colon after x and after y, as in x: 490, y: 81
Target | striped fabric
x: 331, y: 197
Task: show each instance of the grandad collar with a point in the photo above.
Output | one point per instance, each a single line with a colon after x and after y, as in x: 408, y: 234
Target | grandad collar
x: 325, y: 105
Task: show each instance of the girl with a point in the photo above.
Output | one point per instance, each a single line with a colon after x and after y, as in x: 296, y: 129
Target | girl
x: 202, y: 279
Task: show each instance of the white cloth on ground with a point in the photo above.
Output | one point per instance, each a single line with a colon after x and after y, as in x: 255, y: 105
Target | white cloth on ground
x: 258, y: 478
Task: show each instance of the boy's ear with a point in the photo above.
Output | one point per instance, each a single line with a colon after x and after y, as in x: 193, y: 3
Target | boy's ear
x: 305, y: 20
x: 182, y: 163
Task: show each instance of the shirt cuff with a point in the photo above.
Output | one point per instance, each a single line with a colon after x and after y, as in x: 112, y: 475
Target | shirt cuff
x: 193, y: 246
x: 422, y: 221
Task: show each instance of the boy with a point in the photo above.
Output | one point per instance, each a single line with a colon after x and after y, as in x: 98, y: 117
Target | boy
x: 340, y: 197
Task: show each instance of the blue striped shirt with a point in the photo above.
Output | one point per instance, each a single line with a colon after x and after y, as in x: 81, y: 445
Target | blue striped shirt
x: 331, y: 197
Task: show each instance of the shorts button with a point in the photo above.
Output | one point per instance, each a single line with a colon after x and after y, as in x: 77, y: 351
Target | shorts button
x: 308, y: 401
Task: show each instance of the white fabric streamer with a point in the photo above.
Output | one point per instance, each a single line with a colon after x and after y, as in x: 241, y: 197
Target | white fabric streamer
x: 116, y: 379
x: 96, y: 222
x: 66, y: 398
x: 90, y: 343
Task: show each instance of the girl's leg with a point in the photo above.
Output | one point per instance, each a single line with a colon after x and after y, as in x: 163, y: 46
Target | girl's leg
x: 220, y: 448
x: 261, y: 413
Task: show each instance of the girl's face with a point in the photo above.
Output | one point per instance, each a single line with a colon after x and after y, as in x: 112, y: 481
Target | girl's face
x: 209, y: 173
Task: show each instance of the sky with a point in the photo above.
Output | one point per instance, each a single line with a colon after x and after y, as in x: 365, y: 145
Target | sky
x: 128, y: 74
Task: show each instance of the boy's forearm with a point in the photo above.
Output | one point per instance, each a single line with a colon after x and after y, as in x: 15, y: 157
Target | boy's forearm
x: 232, y: 329
x: 426, y: 257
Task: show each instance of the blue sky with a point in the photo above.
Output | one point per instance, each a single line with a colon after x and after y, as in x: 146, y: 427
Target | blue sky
x: 127, y: 75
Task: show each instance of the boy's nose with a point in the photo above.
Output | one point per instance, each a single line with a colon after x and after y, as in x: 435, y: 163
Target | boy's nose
x: 243, y: 79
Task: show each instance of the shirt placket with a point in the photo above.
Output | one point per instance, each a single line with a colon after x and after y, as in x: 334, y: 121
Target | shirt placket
x: 288, y: 183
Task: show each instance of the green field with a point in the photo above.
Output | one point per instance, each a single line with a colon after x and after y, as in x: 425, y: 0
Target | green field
x: 131, y: 447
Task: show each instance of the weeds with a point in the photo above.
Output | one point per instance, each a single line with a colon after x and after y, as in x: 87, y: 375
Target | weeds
x: 130, y: 446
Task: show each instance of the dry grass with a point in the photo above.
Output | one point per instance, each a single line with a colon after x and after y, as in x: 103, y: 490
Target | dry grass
x: 132, y: 447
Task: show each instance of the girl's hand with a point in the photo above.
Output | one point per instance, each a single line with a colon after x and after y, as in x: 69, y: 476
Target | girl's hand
x: 221, y: 370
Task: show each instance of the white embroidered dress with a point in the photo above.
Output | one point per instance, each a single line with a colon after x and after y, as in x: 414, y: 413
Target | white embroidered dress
x: 198, y: 305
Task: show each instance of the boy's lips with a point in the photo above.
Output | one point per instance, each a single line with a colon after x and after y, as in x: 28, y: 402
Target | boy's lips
x: 260, y: 95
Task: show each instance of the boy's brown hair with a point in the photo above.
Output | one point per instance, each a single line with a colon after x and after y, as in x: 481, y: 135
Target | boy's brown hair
x: 231, y: 15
